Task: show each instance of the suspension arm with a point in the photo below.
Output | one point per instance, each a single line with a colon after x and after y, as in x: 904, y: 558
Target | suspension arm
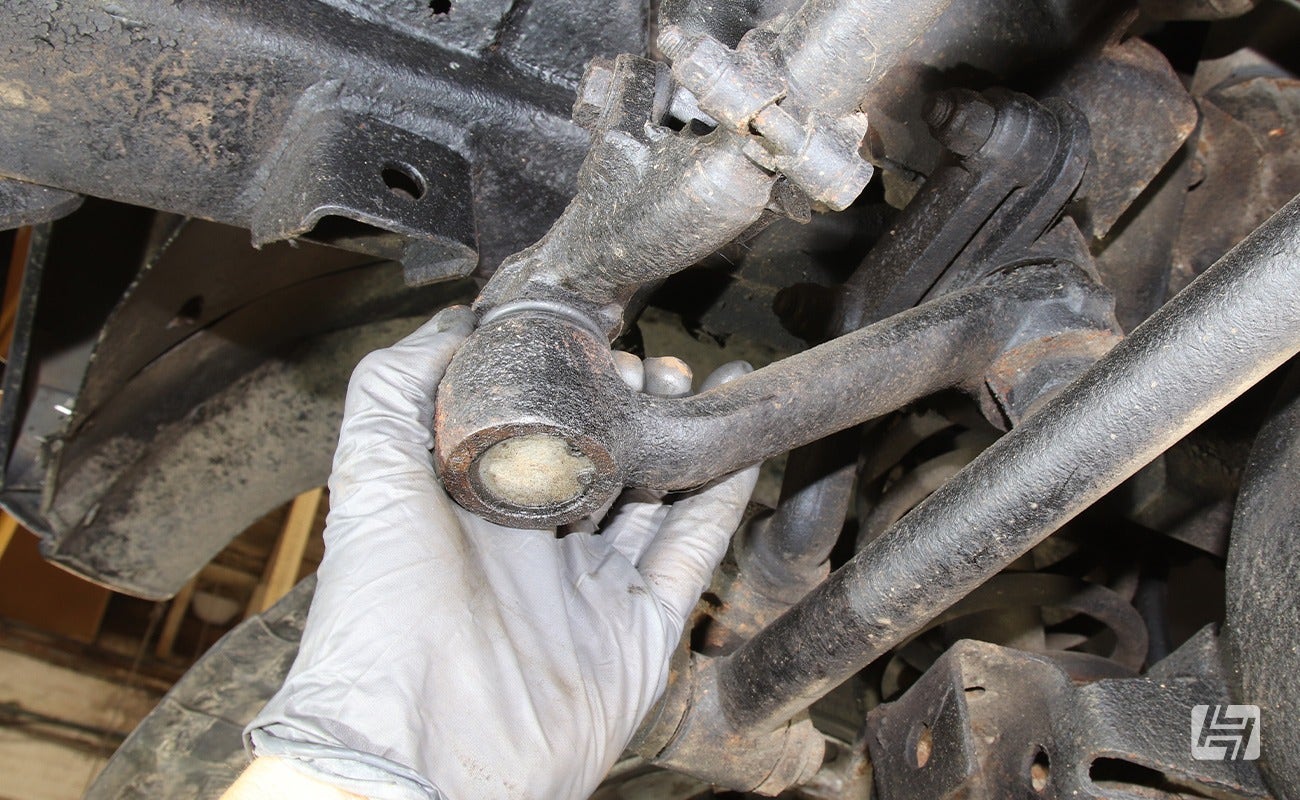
x: 549, y: 431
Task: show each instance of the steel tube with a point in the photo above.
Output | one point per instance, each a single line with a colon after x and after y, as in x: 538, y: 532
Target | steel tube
x: 1227, y: 330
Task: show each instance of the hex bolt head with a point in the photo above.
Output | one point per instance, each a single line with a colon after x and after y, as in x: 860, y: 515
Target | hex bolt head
x: 961, y: 120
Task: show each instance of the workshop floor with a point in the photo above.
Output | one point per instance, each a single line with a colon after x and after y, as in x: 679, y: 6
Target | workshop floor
x: 80, y: 665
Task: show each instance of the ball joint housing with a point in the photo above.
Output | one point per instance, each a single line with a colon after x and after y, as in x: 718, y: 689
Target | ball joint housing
x: 522, y: 421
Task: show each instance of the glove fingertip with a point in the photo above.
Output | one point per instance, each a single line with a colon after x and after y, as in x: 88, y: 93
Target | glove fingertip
x: 667, y: 376
x: 459, y: 319
x: 726, y: 373
x: 630, y: 370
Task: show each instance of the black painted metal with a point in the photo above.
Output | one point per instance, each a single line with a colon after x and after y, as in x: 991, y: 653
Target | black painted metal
x: 221, y: 109
x: 979, y: 212
x: 987, y: 723
x: 1231, y: 327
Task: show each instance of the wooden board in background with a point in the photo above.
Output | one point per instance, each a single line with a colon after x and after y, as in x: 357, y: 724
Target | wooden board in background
x: 36, y: 592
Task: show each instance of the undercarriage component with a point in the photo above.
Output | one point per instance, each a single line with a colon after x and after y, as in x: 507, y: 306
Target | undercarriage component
x: 24, y: 203
x: 542, y: 375
x: 1025, y: 163
x: 740, y: 90
x: 987, y: 721
x: 1225, y: 332
x: 1015, y: 163
x: 643, y: 186
x: 193, y: 109
x: 389, y: 132
x: 1006, y: 591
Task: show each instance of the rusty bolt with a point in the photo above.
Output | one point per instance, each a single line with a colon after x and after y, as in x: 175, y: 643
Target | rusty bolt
x: 960, y: 119
x: 672, y: 42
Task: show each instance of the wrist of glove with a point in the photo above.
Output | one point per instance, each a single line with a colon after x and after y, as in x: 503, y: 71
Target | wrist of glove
x: 445, y: 656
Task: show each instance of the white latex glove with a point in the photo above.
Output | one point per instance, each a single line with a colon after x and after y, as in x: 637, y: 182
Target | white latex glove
x: 445, y: 656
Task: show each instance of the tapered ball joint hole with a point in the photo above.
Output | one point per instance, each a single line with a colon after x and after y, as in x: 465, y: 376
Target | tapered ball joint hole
x: 1040, y: 771
x: 404, y: 180
x: 440, y: 6
x: 536, y: 470
x: 924, y: 747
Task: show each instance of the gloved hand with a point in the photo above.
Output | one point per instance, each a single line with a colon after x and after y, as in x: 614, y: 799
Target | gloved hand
x: 445, y: 656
